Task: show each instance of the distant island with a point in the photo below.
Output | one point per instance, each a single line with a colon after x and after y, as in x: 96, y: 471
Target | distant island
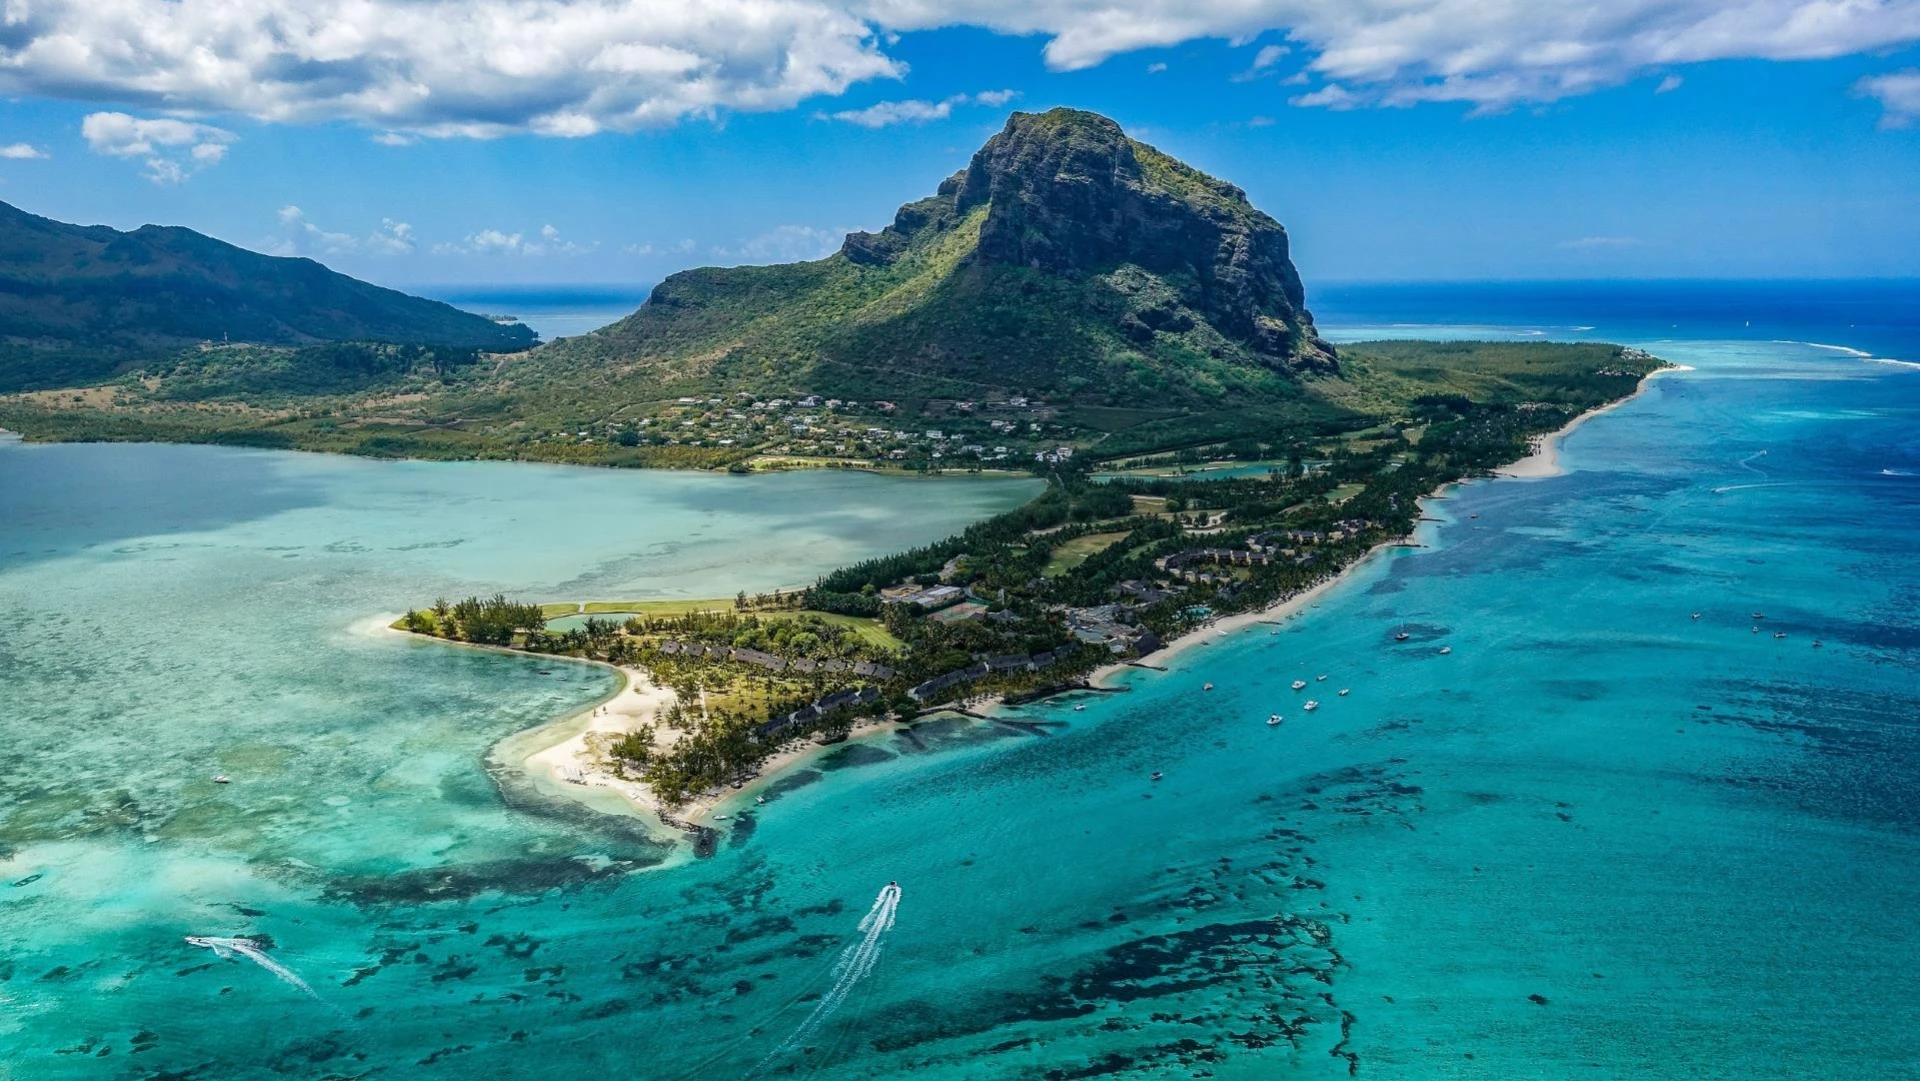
x: 1095, y: 572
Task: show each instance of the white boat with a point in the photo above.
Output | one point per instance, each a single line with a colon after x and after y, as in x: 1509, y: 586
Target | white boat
x: 1311, y: 705
x: 1273, y: 719
x: 1779, y: 634
x: 1206, y: 687
x: 1696, y: 615
x: 221, y: 778
x: 1156, y: 775
x: 1402, y: 636
x: 1079, y: 709
x: 1319, y: 679
x: 1444, y: 650
x: 1343, y: 692
x: 759, y: 799
x: 719, y: 818
x: 1299, y: 684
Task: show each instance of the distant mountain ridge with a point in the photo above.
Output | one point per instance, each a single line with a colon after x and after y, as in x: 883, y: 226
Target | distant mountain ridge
x: 1066, y: 258
x: 79, y: 302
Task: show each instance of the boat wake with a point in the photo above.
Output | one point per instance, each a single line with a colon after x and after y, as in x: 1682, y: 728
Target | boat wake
x: 855, y: 964
x: 249, y: 949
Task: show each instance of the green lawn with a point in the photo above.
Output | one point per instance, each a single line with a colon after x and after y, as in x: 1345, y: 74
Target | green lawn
x: 1071, y: 554
x: 869, y: 629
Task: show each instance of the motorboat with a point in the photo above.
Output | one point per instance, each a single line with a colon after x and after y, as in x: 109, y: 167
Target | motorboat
x: 1779, y: 634
x: 1206, y: 686
x: 1299, y: 684
x: 1696, y: 615
x: 1157, y: 775
x: 1080, y: 709
x: 221, y: 778
x: 1319, y: 679
x: 1343, y: 692
x: 1402, y: 636
x: 1273, y: 719
x: 1444, y: 650
x: 1757, y: 615
x: 759, y: 799
x: 1311, y: 705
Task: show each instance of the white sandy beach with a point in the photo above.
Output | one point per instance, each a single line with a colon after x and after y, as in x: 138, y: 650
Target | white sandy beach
x: 1545, y: 459
x: 568, y: 757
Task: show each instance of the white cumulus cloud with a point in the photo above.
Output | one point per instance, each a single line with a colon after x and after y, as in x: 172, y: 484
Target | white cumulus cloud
x: 305, y: 238
x: 1490, y: 53
x: 547, y: 241
x: 21, y: 152
x: 441, y: 67
x: 172, y: 149
x: 411, y: 68
x: 1898, y: 93
x: 887, y: 113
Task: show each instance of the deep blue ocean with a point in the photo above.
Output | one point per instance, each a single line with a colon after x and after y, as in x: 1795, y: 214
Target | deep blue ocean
x: 1655, y: 813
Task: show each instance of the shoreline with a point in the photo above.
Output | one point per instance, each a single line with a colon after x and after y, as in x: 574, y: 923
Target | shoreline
x: 1281, y: 611
x: 1542, y: 461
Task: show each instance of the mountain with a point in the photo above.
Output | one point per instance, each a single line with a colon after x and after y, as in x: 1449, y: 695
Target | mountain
x: 79, y: 302
x: 1066, y: 259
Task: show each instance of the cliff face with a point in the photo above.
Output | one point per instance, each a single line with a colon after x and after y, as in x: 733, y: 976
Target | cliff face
x: 1065, y: 261
x: 1067, y: 193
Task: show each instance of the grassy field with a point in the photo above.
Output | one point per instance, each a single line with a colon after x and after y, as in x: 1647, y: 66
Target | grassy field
x: 1076, y: 551
x: 869, y: 629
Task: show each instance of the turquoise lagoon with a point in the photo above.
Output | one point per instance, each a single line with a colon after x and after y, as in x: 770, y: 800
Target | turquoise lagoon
x: 1599, y: 838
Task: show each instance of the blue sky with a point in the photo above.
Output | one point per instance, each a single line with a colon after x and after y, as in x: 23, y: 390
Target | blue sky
x: 1541, y: 146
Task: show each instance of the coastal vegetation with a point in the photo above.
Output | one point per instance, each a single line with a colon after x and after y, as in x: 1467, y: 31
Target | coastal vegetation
x: 1093, y: 571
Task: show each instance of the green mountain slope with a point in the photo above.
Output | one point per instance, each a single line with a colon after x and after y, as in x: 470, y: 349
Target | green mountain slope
x: 1065, y: 259
x: 79, y: 302
x: 1072, y: 295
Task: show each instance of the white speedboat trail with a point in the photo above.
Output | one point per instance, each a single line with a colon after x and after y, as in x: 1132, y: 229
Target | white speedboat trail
x: 249, y: 949
x: 855, y: 963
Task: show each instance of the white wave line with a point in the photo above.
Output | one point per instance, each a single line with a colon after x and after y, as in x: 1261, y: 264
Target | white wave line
x: 1846, y: 349
x: 854, y: 965
x: 247, y: 948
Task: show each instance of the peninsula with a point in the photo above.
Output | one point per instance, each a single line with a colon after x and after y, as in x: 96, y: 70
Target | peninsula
x: 1099, y: 570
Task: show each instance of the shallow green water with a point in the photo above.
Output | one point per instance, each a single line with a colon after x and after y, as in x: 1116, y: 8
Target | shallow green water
x: 1599, y: 838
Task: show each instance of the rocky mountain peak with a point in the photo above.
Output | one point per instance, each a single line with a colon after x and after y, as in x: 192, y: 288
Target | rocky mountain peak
x: 1067, y: 193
